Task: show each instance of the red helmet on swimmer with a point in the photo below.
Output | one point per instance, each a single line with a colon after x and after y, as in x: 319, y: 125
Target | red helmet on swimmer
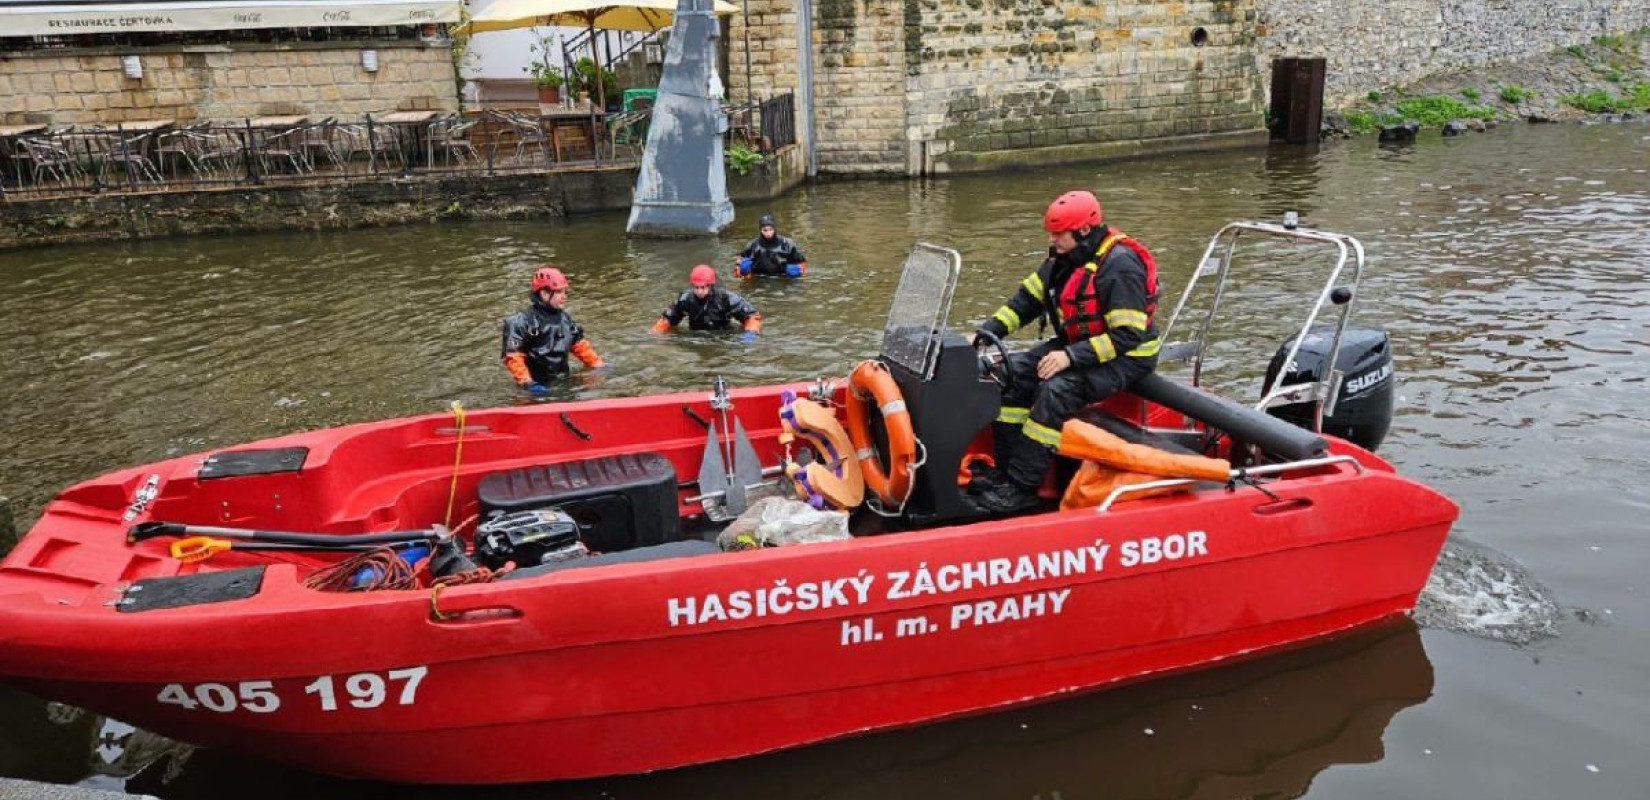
x: 549, y: 278
x: 1072, y: 211
x: 702, y: 275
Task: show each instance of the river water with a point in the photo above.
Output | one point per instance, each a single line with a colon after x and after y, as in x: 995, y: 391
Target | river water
x: 1510, y: 269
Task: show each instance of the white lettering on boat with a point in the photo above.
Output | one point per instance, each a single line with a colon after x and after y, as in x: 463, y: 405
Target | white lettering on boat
x: 1009, y: 609
x: 1173, y: 547
x: 783, y: 597
x: 363, y: 690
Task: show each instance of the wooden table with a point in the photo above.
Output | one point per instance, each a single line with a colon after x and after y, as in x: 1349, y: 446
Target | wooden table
x: 400, y: 117
x: 146, y: 125
x: 20, y: 130
x: 278, y: 122
x: 565, y: 122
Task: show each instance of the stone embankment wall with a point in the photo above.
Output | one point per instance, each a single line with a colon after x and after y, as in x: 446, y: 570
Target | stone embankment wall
x: 37, y: 221
x: 928, y: 86
x: 1371, y: 45
x: 224, y: 82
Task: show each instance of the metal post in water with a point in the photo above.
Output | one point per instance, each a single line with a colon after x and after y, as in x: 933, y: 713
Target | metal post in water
x: 8, y: 526
x: 682, y: 186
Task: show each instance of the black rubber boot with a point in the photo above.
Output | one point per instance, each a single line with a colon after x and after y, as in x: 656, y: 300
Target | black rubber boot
x: 1006, y: 441
x: 1007, y: 497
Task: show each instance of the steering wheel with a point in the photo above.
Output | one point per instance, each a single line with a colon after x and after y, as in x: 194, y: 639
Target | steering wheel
x: 999, y: 373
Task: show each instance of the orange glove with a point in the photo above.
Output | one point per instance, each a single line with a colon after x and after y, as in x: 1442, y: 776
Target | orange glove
x: 662, y: 325
x: 587, y: 354
x: 516, y: 363
x: 754, y: 323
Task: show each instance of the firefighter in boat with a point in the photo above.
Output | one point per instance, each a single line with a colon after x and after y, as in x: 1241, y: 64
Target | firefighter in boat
x: 708, y: 307
x: 539, y: 339
x: 770, y: 255
x: 1098, y: 290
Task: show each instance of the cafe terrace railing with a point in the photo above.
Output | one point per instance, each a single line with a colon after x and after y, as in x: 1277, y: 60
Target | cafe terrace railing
x: 157, y: 156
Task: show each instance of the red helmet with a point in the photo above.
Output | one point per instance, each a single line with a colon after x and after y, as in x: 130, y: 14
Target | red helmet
x: 1072, y: 211
x: 549, y: 278
x: 702, y: 275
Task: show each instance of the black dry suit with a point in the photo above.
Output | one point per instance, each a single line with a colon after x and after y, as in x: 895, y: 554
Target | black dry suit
x: 716, y: 312
x: 771, y: 256
x: 540, y: 337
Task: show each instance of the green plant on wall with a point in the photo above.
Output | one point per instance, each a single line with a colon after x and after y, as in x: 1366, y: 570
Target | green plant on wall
x: 584, y: 79
x: 740, y: 157
x: 459, y: 48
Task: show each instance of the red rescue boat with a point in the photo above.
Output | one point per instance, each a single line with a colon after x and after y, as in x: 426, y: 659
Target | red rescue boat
x: 663, y: 650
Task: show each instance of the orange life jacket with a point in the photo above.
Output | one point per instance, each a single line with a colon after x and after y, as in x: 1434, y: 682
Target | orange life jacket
x: 1081, y: 316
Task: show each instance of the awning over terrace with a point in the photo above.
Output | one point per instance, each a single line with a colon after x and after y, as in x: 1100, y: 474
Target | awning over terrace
x: 67, y: 17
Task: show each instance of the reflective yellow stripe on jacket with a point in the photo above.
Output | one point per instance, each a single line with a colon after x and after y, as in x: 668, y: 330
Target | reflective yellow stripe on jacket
x: 1013, y: 415
x: 1041, y: 434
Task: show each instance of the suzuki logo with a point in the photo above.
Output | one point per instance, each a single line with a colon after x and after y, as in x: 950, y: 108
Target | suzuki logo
x: 1369, y: 380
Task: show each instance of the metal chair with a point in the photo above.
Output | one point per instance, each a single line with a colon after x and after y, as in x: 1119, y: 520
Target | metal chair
x: 628, y: 130
x: 529, y: 134
x: 320, y: 140
x: 377, y: 142
x: 129, y: 154
x: 220, y: 149
x: 47, y: 158
x: 450, y: 136
x: 283, y: 147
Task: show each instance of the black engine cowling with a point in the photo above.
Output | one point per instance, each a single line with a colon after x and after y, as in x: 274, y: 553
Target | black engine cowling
x: 1363, y: 413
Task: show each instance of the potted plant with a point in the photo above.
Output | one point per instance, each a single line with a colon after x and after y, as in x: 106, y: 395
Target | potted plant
x: 545, y: 77
x: 548, y: 81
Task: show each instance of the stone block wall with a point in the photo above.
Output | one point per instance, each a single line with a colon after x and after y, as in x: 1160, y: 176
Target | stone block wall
x: 860, y: 109
x: 1028, y: 74
x: 926, y: 86
x: 1370, y: 46
x: 223, y: 82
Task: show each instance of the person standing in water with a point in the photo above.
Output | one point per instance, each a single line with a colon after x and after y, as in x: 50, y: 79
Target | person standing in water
x: 539, y: 339
x: 708, y: 307
x: 770, y: 255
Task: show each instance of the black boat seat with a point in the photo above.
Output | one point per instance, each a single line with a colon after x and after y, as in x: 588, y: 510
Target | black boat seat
x: 686, y: 547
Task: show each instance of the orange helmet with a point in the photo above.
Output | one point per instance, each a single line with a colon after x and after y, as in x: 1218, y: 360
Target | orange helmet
x: 702, y: 275
x: 549, y: 278
x: 1072, y: 211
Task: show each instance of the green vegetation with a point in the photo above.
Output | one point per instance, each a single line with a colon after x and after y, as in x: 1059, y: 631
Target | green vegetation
x: 740, y: 157
x: 1576, y: 50
x: 1515, y: 94
x: 1613, y: 75
x: 1435, y: 110
x: 584, y: 80
x: 1599, y: 101
x: 1361, y: 121
x: 1596, y: 101
x: 1471, y: 94
x: 1373, y: 97
x: 1638, y: 97
x: 1612, y: 42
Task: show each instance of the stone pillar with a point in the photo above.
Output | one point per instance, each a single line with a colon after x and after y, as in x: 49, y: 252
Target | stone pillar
x: 681, y: 188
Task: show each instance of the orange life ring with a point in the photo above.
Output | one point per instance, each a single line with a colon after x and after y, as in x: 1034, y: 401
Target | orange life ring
x: 871, y: 381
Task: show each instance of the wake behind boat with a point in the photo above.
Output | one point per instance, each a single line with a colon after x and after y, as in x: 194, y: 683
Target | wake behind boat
x: 624, y: 641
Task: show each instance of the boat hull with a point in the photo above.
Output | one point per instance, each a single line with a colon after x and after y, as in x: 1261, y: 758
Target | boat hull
x: 645, y: 666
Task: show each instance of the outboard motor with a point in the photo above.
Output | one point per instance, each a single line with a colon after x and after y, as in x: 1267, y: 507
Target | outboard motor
x: 1363, y: 413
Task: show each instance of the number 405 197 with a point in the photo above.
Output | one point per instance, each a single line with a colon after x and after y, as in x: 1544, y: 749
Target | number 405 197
x: 330, y: 693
